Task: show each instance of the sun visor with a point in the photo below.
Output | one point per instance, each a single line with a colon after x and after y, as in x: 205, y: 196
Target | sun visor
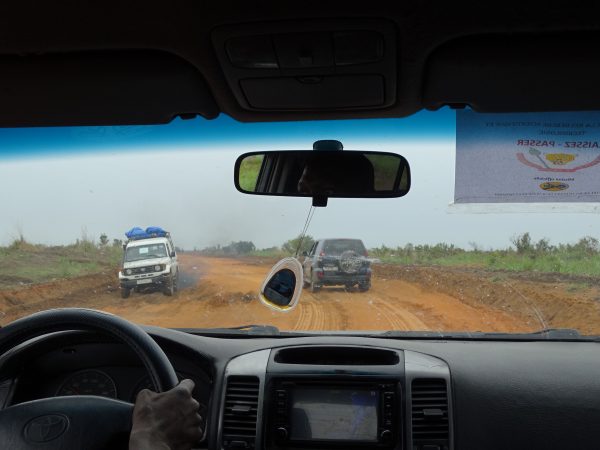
x: 515, y: 73
x: 101, y: 88
x: 527, y: 158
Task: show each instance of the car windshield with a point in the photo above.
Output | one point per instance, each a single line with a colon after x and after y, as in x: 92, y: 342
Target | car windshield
x: 337, y: 247
x: 141, y: 252
x: 428, y: 261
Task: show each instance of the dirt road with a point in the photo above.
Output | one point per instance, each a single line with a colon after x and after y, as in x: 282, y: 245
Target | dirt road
x: 222, y: 293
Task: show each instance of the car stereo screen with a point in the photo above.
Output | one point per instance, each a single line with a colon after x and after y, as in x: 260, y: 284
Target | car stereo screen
x: 334, y: 414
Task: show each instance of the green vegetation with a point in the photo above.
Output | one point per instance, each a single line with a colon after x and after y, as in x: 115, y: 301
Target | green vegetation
x: 247, y: 248
x: 581, y: 258
x: 298, y: 243
x: 240, y: 248
x: 271, y: 252
x: 25, y: 263
x: 249, y: 170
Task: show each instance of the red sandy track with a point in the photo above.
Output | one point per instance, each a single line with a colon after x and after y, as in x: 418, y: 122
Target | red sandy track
x: 222, y: 293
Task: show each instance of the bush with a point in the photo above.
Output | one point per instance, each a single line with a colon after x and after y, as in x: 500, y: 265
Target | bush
x: 239, y: 248
x: 293, y: 245
x: 522, y: 243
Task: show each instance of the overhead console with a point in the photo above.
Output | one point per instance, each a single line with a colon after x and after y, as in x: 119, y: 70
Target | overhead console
x: 324, y: 396
x: 304, y: 66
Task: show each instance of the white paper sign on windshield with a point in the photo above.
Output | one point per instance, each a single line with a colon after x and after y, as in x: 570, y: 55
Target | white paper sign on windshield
x: 527, y: 157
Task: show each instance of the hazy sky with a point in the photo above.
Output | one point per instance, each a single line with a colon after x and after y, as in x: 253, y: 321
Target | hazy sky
x: 54, y: 182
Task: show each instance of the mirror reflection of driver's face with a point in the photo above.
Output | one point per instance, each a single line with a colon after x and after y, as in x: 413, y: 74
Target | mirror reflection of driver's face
x: 315, y: 180
x: 333, y: 173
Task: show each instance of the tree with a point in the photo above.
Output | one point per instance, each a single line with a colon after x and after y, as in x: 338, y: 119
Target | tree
x: 543, y: 246
x: 117, y: 242
x: 243, y: 247
x: 103, y: 239
x: 522, y: 243
x: 292, y: 245
x: 587, y: 245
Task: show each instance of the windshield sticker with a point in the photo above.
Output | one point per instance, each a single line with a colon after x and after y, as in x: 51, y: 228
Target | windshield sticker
x: 527, y: 157
x: 143, y: 250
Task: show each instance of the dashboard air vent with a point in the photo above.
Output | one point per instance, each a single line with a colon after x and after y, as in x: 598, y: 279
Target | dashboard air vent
x: 241, y: 411
x: 337, y: 356
x: 430, y: 424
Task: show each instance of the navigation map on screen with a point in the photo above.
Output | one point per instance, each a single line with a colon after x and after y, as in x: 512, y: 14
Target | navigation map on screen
x: 334, y: 414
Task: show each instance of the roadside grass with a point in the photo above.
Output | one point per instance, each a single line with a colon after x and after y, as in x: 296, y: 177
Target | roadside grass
x: 274, y: 252
x: 581, y: 258
x: 23, y: 263
x: 563, y: 262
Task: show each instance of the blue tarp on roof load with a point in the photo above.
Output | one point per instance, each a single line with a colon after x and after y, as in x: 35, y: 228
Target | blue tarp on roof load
x: 140, y: 233
x: 156, y: 231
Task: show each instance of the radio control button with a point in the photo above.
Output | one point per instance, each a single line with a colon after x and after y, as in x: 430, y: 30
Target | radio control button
x: 386, y: 436
x: 281, y: 433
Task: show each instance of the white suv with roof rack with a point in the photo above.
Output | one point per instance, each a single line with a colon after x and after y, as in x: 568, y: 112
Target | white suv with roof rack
x: 149, y: 260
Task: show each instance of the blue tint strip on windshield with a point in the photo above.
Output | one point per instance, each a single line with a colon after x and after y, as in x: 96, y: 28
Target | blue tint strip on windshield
x: 19, y: 142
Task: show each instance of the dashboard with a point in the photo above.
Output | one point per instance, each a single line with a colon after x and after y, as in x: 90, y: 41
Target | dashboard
x: 334, y: 392
x: 76, y: 363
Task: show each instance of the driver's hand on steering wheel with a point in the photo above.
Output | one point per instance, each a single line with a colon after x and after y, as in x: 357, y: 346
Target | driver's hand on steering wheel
x: 166, y: 421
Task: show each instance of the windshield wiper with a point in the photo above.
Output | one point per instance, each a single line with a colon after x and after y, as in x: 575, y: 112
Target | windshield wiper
x: 257, y: 329
x: 551, y: 334
x: 240, y: 331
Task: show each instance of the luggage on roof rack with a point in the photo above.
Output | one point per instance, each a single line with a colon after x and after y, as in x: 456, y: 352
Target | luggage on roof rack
x: 151, y: 232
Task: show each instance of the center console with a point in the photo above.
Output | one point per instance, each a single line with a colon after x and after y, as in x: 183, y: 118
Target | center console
x: 305, y: 412
x: 334, y: 397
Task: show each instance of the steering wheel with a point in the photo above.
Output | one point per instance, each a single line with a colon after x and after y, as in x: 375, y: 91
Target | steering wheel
x: 81, y: 421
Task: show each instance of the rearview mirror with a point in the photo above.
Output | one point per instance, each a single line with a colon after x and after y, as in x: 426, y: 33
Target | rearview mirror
x: 282, y: 286
x: 319, y: 173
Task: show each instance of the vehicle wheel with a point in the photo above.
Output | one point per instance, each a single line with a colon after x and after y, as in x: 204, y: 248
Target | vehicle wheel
x: 176, y: 283
x: 364, y: 287
x: 169, y: 288
x: 125, y: 292
x: 314, y: 287
x: 348, y: 286
x: 306, y: 282
x: 137, y: 289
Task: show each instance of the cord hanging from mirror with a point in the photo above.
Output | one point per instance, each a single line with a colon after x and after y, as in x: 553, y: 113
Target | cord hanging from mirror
x: 311, y: 213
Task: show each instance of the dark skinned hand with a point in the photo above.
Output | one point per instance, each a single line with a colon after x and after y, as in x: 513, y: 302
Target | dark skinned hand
x: 166, y: 421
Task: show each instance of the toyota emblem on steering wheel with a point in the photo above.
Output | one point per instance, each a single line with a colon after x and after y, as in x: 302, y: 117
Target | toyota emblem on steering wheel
x: 46, y: 428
